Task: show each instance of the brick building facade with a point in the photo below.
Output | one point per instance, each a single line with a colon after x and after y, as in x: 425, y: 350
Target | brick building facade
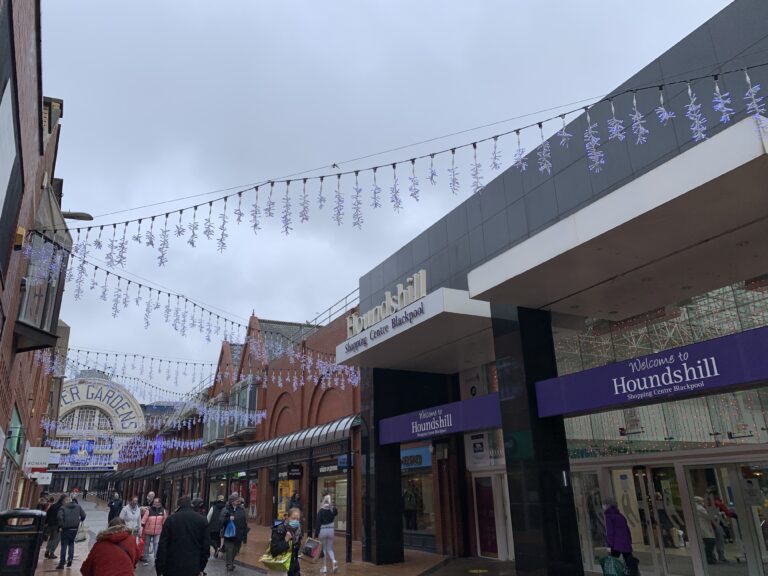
x: 29, y: 136
x: 306, y: 441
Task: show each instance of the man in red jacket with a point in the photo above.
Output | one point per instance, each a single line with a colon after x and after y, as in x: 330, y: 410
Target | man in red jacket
x: 114, y: 554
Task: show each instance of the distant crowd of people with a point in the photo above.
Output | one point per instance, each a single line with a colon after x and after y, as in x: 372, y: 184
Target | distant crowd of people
x: 178, y: 543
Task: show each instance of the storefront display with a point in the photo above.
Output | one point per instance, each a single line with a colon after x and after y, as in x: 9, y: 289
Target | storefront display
x: 216, y: 488
x: 332, y: 480
x: 253, y: 496
x: 417, y: 489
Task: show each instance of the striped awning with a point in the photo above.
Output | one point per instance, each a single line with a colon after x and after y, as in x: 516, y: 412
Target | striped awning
x: 329, y: 433
x: 181, y: 465
x: 149, y: 471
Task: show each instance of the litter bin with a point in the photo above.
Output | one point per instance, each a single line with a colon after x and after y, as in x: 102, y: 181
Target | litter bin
x: 21, y: 534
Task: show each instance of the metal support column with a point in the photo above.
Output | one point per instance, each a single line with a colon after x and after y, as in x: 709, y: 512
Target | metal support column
x: 350, y: 499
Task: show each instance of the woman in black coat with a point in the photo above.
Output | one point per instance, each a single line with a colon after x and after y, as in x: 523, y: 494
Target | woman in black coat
x: 286, y: 535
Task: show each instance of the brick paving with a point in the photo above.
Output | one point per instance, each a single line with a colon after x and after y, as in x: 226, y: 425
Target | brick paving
x: 416, y: 563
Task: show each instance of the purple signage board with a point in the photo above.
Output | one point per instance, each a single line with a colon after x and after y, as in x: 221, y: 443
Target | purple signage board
x: 479, y: 413
x: 698, y: 368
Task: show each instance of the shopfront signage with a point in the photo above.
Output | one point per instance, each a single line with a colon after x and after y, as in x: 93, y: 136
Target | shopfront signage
x: 119, y: 404
x: 419, y: 457
x: 295, y: 471
x: 415, y: 288
x: 479, y: 413
x: 700, y: 368
x: 43, y: 478
x: 36, y: 458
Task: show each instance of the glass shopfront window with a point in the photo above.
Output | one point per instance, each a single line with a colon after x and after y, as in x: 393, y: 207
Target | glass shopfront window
x: 285, y: 489
x: 417, y: 488
x: 217, y: 487
x: 336, y: 487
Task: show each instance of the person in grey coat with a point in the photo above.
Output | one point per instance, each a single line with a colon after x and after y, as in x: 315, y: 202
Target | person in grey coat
x: 70, y: 515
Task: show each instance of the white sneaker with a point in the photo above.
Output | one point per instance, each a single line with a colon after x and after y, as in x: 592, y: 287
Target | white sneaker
x: 335, y: 566
x: 323, y: 570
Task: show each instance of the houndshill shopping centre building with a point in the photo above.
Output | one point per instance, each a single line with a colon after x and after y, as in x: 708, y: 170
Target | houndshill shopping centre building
x: 580, y: 336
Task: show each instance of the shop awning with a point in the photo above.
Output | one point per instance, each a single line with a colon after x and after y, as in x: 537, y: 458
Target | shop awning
x: 335, y: 431
x: 183, y: 465
x: 149, y: 471
x: 444, y: 332
x: 693, y: 224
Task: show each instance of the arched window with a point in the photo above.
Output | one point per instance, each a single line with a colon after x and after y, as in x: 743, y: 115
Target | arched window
x: 86, y: 419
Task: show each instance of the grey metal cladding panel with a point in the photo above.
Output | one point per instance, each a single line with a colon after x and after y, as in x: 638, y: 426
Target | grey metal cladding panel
x: 457, y: 223
x: 474, y: 211
x: 438, y: 270
x: 540, y: 207
x: 476, y: 246
x: 492, y: 198
x: 377, y: 279
x: 739, y: 25
x: 573, y: 187
x: 517, y: 221
x: 390, y: 270
x: 420, y: 250
x: 458, y: 253
x: 513, y: 184
x: 405, y: 258
x: 495, y: 234
x: 460, y: 281
x: 437, y: 236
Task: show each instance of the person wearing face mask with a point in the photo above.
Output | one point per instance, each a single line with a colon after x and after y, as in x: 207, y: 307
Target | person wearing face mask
x: 285, y: 536
x: 131, y: 515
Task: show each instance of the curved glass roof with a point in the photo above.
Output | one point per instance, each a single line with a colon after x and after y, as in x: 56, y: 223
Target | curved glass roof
x: 317, y: 435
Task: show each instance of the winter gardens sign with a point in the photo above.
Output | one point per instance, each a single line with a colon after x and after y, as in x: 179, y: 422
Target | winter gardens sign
x: 695, y: 369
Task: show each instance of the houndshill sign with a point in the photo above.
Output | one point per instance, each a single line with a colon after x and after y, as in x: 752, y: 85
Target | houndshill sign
x: 414, y: 289
x: 695, y: 369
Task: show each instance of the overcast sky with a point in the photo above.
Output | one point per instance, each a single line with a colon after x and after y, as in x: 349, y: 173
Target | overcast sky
x: 171, y: 99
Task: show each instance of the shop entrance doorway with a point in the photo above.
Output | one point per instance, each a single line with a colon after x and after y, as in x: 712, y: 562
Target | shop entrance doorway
x: 494, y: 528
x: 685, y: 520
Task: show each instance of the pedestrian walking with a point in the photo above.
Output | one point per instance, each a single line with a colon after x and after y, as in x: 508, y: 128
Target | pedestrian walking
x: 618, y: 536
x: 184, y: 545
x: 326, y: 531
x: 85, y: 495
x: 287, y: 536
x: 214, y: 524
x: 131, y: 515
x: 52, y: 528
x: 234, y: 529
x: 152, y: 525
x: 115, y: 506
x: 114, y: 554
x: 69, y: 515
x: 295, y: 502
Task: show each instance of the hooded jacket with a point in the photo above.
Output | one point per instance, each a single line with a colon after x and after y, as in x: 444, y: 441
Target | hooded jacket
x: 70, y: 516
x: 114, y: 554
x: 617, y: 534
x: 52, y: 515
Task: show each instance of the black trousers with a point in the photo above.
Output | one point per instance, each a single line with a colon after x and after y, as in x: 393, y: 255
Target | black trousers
x: 629, y: 561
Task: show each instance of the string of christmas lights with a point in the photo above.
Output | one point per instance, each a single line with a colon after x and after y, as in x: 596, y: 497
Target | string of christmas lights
x: 259, y: 201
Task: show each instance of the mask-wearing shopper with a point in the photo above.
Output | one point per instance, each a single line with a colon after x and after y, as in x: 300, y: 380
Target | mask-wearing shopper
x: 114, y: 554
x: 131, y: 515
x: 69, y: 515
x: 52, y: 528
x: 152, y: 525
x: 214, y: 524
x: 234, y: 530
x: 287, y: 535
x: 325, y: 532
x: 184, y: 545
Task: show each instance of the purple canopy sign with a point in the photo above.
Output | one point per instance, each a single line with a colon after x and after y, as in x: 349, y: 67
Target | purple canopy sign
x: 695, y: 369
x: 479, y: 413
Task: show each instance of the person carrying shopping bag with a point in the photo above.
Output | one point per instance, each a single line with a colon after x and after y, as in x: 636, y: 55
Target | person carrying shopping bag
x: 214, y: 524
x: 286, y: 537
x: 152, y: 523
x: 326, y: 531
x: 234, y: 529
x: 618, y: 537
